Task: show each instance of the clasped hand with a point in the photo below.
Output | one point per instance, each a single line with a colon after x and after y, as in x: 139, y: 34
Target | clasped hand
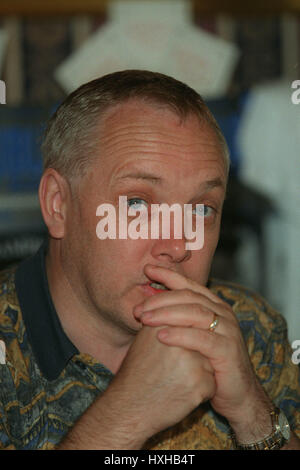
x: 184, y: 314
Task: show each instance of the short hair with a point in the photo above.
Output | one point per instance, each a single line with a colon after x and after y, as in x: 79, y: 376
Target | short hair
x: 71, y: 137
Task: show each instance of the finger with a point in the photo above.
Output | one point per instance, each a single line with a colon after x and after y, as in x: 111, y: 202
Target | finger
x: 191, y: 316
x: 175, y: 281
x: 210, y: 345
x: 179, y: 297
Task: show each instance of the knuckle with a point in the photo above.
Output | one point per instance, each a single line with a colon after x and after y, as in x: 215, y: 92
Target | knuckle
x: 229, y: 310
x: 233, y: 347
x: 234, y: 329
x: 188, y: 293
x: 196, y: 308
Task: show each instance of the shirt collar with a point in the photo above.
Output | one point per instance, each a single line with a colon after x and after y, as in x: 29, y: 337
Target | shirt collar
x: 51, y: 346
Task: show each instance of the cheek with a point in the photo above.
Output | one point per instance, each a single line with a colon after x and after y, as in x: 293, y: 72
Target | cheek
x: 211, y: 235
x: 211, y: 239
x: 198, y: 267
x: 122, y: 256
x: 199, y: 264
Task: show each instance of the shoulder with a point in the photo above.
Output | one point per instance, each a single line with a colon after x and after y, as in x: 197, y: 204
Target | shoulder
x: 12, y: 328
x: 7, y: 281
x: 9, y: 304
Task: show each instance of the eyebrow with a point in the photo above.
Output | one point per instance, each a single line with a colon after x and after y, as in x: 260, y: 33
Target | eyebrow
x: 144, y: 176
x: 214, y: 183
x: 141, y: 176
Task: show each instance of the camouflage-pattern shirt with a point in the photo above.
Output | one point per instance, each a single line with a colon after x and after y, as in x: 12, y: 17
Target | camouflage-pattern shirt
x: 46, y: 384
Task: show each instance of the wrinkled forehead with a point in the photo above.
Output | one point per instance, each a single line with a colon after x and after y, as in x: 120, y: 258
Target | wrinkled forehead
x: 128, y: 109
x: 152, y: 122
x: 136, y: 138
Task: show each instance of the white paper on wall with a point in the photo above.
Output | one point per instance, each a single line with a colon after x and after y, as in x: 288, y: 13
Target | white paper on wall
x: 202, y: 60
x: 174, y: 12
x: 153, y: 36
x: 269, y: 141
x: 100, y: 54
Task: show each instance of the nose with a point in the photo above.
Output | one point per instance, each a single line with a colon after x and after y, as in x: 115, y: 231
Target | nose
x: 172, y: 250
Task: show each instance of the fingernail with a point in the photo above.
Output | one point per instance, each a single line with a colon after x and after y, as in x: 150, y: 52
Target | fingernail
x: 138, y: 309
x: 163, y: 334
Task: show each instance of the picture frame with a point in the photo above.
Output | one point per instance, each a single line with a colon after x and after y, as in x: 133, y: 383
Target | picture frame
x: 94, y: 7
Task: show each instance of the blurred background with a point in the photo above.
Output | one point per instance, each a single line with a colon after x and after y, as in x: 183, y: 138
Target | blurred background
x: 244, y: 60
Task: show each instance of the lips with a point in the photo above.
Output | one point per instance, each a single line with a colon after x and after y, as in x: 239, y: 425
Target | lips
x: 153, y: 288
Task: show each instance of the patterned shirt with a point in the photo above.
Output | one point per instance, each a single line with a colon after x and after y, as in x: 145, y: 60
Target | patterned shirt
x: 46, y: 384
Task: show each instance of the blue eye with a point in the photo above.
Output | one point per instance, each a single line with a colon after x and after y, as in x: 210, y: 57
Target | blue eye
x: 136, y: 203
x: 203, y: 210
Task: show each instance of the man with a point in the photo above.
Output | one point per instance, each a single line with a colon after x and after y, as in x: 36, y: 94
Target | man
x: 125, y: 343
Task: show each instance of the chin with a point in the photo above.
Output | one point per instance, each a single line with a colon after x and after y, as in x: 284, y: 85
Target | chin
x: 132, y: 327
x: 126, y: 321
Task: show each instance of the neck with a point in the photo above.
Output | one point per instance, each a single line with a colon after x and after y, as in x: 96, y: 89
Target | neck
x: 88, y: 331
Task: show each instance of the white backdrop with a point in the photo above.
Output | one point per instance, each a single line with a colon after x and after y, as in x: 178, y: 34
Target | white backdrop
x: 269, y: 140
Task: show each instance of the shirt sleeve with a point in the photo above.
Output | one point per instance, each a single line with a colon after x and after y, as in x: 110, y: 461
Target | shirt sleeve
x: 5, y: 441
x: 265, y: 332
x: 272, y: 358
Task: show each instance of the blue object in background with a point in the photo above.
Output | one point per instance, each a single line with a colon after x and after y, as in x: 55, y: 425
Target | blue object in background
x: 228, y: 114
x: 20, y: 157
x: 21, y: 132
x: 20, y: 162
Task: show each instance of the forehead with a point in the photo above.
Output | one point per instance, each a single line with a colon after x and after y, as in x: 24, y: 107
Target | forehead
x: 136, y: 133
x: 135, y: 114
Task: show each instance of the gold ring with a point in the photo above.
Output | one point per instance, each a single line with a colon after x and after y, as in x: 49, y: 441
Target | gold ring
x: 214, y: 323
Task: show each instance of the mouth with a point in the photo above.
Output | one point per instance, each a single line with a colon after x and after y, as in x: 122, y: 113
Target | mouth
x: 152, y: 288
x: 158, y: 286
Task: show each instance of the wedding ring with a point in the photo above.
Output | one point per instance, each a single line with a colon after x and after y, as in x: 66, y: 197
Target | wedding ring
x: 214, y: 323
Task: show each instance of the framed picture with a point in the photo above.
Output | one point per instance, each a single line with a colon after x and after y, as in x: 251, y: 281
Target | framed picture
x: 93, y: 7
x: 50, y: 7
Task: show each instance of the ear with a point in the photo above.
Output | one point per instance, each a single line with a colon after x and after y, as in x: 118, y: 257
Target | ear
x: 54, y: 194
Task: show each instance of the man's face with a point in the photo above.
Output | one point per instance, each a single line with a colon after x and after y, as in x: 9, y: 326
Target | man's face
x: 146, y: 154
